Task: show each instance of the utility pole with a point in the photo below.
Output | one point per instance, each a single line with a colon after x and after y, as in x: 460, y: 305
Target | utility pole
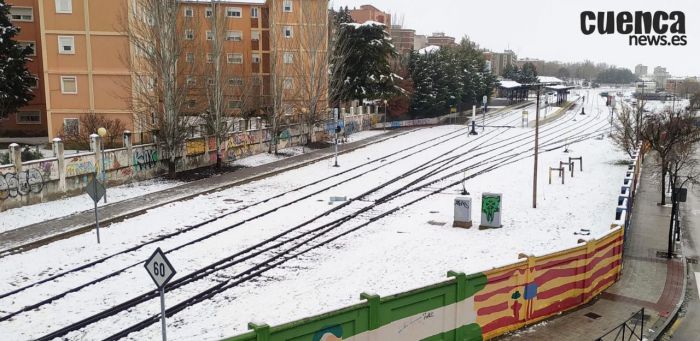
x: 537, y: 149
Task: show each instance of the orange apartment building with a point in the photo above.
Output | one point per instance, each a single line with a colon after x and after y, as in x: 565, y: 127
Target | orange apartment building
x: 403, y: 39
x: 442, y: 40
x: 369, y: 12
x: 31, y: 120
x: 84, y: 55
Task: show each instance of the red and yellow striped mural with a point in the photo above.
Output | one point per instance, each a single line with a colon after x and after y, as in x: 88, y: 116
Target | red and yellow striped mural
x: 539, y: 287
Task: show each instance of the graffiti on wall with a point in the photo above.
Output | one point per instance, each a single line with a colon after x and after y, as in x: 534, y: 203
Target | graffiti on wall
x: 145, y: 159
x: 240, y: 145
x: 80, y: 165
x: 195, y: 147
x: 24, y: 183
x: 284, y: 139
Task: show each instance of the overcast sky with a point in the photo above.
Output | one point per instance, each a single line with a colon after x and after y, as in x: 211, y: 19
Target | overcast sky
x: 549, y: 29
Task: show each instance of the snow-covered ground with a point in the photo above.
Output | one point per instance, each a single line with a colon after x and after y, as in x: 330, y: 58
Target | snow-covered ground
x: 265, y: 158
x: 412, y: 247
x: 27, y: 215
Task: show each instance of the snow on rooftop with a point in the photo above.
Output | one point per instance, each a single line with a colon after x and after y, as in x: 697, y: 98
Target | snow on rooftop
x: 429, y: 49
x: 366, y: 23
x: 548, y: 79
x: 509, y: 84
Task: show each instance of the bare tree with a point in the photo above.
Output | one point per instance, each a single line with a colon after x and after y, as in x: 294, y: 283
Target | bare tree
x: 666, y: 135
x: 159, y: 91
x: 283, y: 86
x: 89, y: 123
x: 683, y: 164
x: 311, y: 67
x: 217, y: 116
x: 624, y: 134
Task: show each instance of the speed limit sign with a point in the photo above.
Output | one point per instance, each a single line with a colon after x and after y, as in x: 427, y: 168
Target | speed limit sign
x: 159, y: 268
x: 161, y: 272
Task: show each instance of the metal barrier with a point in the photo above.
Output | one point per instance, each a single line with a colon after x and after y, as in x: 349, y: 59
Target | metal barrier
x: 628, y: 329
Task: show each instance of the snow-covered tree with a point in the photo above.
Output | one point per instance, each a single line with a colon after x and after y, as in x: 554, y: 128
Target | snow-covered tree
x: 15, y: 79
x: 367, y: 73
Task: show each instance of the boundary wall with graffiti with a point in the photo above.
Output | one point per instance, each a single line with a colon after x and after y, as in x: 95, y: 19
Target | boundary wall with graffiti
x: 26, y: 183
x: 479, y: 306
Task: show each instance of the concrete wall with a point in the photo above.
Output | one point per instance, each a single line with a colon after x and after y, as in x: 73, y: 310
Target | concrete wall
x: 67, y: 175
x: 479, y: 306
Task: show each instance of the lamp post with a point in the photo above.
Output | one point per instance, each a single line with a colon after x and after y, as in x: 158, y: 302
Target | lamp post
x: 384, y: 125
x: 103, y: 132
x: 537, y: 148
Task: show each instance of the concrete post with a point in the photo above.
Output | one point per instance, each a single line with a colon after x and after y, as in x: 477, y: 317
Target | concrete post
x: 262, y: 331
x: 129, y: 150
x: 59, y: 153
x: 373, y: 306
x: 460, y: 295
x: 95, y: 141
x: 16, y: 157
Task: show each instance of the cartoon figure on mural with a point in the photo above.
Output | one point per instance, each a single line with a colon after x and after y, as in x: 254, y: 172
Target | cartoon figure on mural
x: 490, y: 205
x: 334, y: 333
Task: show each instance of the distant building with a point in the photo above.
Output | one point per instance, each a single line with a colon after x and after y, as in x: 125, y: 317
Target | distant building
x: 369, y: 12
x: 641, y: 70
x: 660, y: 76
x: 420, y: 41
x: 440, y: 39
x: 538, y: 63
x: 498, y: 61
x: 403, y: 39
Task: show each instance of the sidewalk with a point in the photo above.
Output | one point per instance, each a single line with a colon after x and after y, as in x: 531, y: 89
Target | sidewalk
x: 650, y: 282
x: 38, y: 234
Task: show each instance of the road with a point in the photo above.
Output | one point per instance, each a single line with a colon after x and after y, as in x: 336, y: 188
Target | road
x: 686, y: 327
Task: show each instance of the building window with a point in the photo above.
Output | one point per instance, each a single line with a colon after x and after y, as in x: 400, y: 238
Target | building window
x: 191, y: 103
x: 287, y: 6
x: 234, y: 35
x: 71, y: 126
x: 256, y: 58
x: 255, y: 35
x: 208, y: 12
x: 288, y: 58
x: 254, y: 12
x: 69, y: 85
x: 288, y: 83
x: 191, y: 81
x: 21, y: 14
x: 64, y: 6
x: 234, y: 104
x: 288, y: 32
x: 189, y: 12
x: 29, y: 117
x: 234, y: 12
x: 29, y: 44
x: 210, y: 35
x: 211, y: 81
x: 210, y: 58
x: 256, y: 80
x: 66, y: 45
x: 236, y: 81
x: 189, y: 34
x: 234, y: 58
x: 190, y: 57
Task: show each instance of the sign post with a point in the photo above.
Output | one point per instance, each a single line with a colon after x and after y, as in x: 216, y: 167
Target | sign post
x: 337, y: 131
x: 483, y: 115
x: 161, y: 272
x: 96, y: 191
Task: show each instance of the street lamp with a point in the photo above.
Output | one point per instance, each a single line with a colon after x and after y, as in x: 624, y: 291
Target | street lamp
x: 384, y: 125
x: 103, y: 132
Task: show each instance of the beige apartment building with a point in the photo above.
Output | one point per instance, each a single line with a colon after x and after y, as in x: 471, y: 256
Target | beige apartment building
x: 84, y: 56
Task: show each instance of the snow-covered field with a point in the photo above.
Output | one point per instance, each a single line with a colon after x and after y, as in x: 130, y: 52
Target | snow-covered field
x: 411, y: 247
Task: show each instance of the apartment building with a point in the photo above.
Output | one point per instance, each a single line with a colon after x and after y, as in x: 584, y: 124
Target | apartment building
x: 641, y: 70
x: 31, y: 119
x: 370, y: 13
x: 84, y: 56
x: 440, y: 39
x: 499, y: 60
x: 403, y: 39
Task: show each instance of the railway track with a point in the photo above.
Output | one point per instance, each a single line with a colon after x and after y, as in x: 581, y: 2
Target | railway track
x: 431, y: 168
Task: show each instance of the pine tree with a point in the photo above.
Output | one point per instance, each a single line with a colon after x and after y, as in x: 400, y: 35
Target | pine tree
x: 15, y: 79
x: 528, y: 74
x: 368, y: 73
